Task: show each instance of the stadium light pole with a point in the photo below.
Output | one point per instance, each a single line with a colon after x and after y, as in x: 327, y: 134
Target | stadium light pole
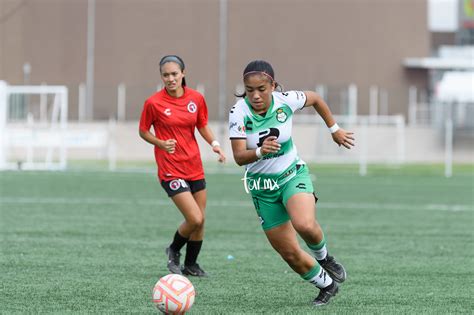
x: 90, y: 59
x: 222, y: 65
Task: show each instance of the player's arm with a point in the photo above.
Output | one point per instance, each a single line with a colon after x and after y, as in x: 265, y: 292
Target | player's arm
x: 244, y: 156
x: 208, y: 135
x: 339, y: 135
x: 165, y: 145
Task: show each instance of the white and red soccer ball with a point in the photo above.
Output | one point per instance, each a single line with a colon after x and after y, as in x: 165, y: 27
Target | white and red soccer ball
x: 173, y: 294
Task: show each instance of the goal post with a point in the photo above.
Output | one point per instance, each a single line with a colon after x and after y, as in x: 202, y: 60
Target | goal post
x: 23, y: 139
x: 39, y: 137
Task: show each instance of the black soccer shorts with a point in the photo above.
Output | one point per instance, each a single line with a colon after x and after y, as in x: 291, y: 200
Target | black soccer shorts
x: 176, y: 186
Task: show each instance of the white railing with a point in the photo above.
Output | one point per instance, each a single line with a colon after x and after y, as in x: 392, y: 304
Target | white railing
x: 29, y: 143
x: 385, y: 143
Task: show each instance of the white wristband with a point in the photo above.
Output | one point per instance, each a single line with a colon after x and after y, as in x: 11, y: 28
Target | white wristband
x: 334, y: 128
x: 258, y: 153
x: 215, y: 143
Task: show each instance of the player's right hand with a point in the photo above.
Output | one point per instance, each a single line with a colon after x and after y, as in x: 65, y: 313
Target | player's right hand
x: 270, y: 145
x: 344, y: 138
x: 169, y: 145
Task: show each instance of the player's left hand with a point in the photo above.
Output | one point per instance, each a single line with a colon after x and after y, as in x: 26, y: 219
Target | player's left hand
x: 219, y: 151
x: 344, y: 138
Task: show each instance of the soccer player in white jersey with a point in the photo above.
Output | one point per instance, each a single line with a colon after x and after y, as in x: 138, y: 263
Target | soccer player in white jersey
x: 278, y: 180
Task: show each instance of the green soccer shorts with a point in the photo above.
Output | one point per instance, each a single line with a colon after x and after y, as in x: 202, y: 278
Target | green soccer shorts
x: 271, y: 204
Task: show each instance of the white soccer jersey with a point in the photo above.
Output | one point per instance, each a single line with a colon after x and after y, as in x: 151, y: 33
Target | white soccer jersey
x: 244, y: 123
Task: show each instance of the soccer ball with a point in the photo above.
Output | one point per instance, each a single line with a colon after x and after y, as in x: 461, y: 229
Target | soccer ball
x: 173, y: 294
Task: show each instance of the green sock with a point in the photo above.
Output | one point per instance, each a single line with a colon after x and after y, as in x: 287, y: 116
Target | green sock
x: 319, y: 250
x: 317, y: 276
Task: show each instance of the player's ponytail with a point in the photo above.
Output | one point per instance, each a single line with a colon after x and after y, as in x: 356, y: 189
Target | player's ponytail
x: 260, y: 67
x: 176, y: 59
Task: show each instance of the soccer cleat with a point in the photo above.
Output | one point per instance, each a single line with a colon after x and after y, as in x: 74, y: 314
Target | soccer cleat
x: 194, y: 270
x: 333, y: 268
x: 325, y: 294
x: 173, y: 261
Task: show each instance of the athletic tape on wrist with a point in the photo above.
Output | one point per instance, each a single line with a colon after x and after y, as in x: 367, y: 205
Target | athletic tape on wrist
x: 334, y: 128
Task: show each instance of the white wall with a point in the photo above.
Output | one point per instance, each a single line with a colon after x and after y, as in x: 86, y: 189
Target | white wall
x: 422, y: 144
x: 314, y: 144
x: 443, y: 15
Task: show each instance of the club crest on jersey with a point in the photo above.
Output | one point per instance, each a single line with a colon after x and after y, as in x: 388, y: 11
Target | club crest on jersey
x: 192, y: 107
x: 281, y: 116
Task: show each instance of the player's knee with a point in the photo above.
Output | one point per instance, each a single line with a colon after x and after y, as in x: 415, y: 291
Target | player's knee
x: 305, y: 228
x: 200, y: 223
x: 196, y: 222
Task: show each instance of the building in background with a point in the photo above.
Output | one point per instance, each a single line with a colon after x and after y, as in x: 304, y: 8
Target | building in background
x: 398, y: 73
x: 450, y: 66
x: 309, y: 42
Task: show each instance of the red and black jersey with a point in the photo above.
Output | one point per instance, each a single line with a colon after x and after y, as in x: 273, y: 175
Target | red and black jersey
x: 176, y: 118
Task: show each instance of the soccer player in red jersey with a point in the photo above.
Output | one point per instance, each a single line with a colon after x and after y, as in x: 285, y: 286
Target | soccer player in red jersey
x: 175, y: 112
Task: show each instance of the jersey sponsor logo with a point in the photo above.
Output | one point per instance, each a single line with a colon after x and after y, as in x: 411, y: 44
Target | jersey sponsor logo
x: 192, y: 107
x: 288, y: 173
x: 281, y: 116
x: 251, y: 183
x: 299, y: 94
x: 301, y: 186
x: 234, y: 125
x: 175, y: 184
x: 264, y: 134
x: 272, y: 156
x: 248, y: 125
x: 167, y: 112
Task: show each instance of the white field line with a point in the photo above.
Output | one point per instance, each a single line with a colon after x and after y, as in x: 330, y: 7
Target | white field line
x: 225, y: 203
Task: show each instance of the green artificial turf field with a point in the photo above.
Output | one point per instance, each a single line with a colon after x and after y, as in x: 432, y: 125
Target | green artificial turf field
x: 93, y: 242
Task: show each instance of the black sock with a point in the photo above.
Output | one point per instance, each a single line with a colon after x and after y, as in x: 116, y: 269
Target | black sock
x: 178, y: 242
x: 192, y: 251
